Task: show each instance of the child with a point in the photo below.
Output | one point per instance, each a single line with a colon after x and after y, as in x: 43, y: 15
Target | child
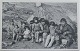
x: 51, y: 37
x: 15, y: 34
x: 26, y: 33
x: 45, y: 28
x: 36, y: 28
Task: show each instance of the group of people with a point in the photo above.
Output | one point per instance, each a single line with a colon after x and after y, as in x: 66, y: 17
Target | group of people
x: 43, y: 31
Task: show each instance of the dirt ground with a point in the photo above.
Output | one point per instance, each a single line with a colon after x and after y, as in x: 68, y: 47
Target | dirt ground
x: 29, y: 45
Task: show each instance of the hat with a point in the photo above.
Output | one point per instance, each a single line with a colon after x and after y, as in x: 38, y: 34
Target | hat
x: 63, y: 19
x: 31, y: 22
x: 27, y: 27
x: 42, y: 20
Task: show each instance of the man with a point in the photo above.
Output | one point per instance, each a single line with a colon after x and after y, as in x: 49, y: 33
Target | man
x: 15, y: 34
x: 65, y: 32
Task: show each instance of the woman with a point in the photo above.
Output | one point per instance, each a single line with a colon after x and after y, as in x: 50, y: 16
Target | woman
x: 65, y: 32
x: 51, y: 37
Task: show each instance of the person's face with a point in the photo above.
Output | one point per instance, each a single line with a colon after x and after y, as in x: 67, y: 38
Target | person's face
x: 51, y: 26
x: 26, y: 28
x: 62, y: 23
x: 43, y: 23
x: 15, y: 26
x: 35, y: 21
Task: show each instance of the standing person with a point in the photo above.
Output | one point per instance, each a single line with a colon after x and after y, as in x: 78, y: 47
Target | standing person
x: 31, y: 16
x: 45, y: 28
x: 65, y: 32
x: 15, y: 33
x: 10, y: 28
x: 31, y: 29
x: 36, y: 28
x: 51, y: 37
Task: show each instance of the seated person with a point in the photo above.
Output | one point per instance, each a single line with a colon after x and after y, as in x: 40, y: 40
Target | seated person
x: 26, y: 33
x: 45, y: 28
x: 66, y: 32
x: 51, y: 37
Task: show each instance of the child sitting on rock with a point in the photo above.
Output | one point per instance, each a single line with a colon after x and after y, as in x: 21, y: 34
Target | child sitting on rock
x: 27, y: 33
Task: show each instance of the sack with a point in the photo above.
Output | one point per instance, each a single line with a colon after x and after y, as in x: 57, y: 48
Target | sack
x: 56, y: 37
x: 64, y: 41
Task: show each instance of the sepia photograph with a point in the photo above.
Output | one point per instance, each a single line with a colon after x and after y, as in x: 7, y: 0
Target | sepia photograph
x: 31, y: 25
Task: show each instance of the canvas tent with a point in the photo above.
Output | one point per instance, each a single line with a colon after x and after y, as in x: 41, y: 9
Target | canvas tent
x: 49, y: 11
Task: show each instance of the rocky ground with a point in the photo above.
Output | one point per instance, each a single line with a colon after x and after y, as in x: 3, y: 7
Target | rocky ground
x: 6, y: 44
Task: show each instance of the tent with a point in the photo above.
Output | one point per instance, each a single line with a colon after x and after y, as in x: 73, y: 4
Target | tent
x: 50, y: 11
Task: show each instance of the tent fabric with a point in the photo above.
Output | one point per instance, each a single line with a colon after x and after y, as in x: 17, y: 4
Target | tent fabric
x: 49, y: 11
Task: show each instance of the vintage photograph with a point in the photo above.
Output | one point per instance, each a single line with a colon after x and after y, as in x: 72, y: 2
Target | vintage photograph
x: 39, y: 50
x: 31, y: 25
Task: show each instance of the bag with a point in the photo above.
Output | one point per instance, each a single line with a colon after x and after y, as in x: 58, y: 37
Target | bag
x: 64, y: 41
